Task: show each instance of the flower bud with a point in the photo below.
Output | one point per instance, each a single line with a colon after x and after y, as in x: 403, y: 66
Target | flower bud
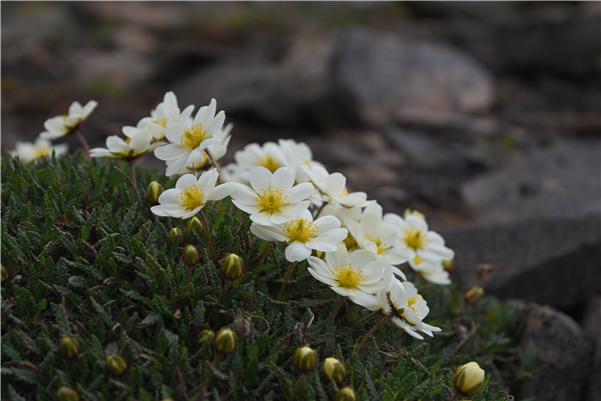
x: 232, y: 266
x: 226, y: 341
x: 66, y: 393
x: 305, y: 359
x: 346, y: 394
x: 190, y: 255
x: 333, y: 370
x: 154, y: 191
x: 474, y: 295
x: 448, y: 264
x: 69, y: 346
x: 206, y: 336
x: 116, y: 364
x: 176, y: 235
x: 469, y: 378
x: 3, y: 273
x: 194, y: 225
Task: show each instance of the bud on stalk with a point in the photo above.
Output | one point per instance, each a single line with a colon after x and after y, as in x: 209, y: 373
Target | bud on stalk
x: 232, y: 266
x: 333, y: 370
x: 206, y: 336
x: 66, y: 393
x: 346, y: 394
x: 195, y: 225
x: 474, y: 295
x: 116, y: 364
x: 225, y: 341
x: 190, y: 255
x: 469, y: 378
x: 154, y: 191
x: 69, y: 346
x: 305, y: 359
x: 176, y: 235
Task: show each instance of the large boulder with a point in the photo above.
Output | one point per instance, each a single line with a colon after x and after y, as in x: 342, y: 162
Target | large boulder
x: 562, y: 355
x: 554, y: 261
x: 591, y: 325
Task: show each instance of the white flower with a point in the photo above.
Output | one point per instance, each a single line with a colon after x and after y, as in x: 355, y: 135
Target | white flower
x: 333, y: 188
x: 188, y: 138
x: 297, y: 156
x: 356, y: 275
x: 269, y: 155
x: 59, y: 126
x: 138, y: 142
x: 167, y: 112
x: 189, y: 195
x: 376, y: 235
x: 304, y: 235
x: 28, y: 151
x: 431, y: 269
x: 416, y: 240
x: 271, y: 198
x: 200, y: 160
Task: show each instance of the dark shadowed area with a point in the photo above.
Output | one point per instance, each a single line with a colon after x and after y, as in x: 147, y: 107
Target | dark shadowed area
x: 484, y: 116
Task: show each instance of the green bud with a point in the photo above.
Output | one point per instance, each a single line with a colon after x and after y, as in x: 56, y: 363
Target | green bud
x: 226, y: 341
x: 154, y: 191
x: 469, y: 378
x: 333, y: 370
x: 3, y: 273
x: 474, y: 295
x: 206, y: 336
x: 176, y: 235
x: 195, y: 225
x: 346, y: 394
x: 305, y: 359
x: 116, y: 364
x: 232, y: 266
x: 190, y: 255
x: 69, y: 346
x: 66, y: 393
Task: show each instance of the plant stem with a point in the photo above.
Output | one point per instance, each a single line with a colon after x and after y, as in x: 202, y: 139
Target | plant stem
x: 289, y: 273
x: 209, y: 233
x: 132, y: 167
x: 365, y: 319
x: 339, y: 306
x: 83, y: 142
x: 369, y: 333
x: 215, y: 164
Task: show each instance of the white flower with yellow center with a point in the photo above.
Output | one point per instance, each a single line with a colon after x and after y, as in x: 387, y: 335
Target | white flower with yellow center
x: 165, y: 113
x: 357, y: 275
x: 60, y: 126
x: 190, y: 195
x: 298, y: 156
x: 268, y: 155
x: 431, y: 270
x: 188, y: 138
x: 28, y: 151
x: 376, y: 235
x: 137, y: 143
x: 304, y: 235
x: 415, y: 239
x: 271, y: 199
x: 332, y: 188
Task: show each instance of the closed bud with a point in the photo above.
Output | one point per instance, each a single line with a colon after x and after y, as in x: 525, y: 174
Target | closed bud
x: 206, y: 336
x: 195, y: 225
x: 69, y: 346
x: 154, y: 191
x: 242, y: 325
x: 176, y: 235
x: 305, y: 359
x: 3, y: 273
x: 66, y: 393
x: 448, y: 264
x: 226, y: 341
x: 469, y: 378
x: 346, y: 394
x: 474, y: 295
x: 232, y: 266
x: 333, y: 370
x: 116, y: 364
x: 190, y: 255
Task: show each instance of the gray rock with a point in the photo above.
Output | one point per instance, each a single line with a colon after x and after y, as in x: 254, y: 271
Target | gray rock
x: 592, y: 328
x: 551, y: 261
x: 562, y: 355
x: 382, y: 75
x: 560, y: 181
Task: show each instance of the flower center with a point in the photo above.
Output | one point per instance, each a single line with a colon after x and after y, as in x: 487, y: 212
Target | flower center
x: 271, y: 200
x: 191, y: 197
x: 382, y: 248
x: 300, y: 230
x: 270, y: 163
x: 350, y: 243
x: 161, y: 121
x: 412, y: 301
x: 41, y: 152
x: 417, y: 260
x: 194, y: 136
x: 348, y: 277
x: 415, y: 239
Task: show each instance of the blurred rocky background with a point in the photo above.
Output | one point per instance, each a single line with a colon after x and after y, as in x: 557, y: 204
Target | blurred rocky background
x: 485, y: 116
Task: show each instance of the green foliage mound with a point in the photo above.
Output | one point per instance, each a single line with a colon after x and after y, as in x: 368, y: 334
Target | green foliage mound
x: 85, y: 258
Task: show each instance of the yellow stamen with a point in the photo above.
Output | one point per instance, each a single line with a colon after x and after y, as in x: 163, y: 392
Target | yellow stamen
x: 194, y: 136
x: 412, y: 301
x: 350, y: 243
x: 300, y: 230
x: 344, y: 192
x: 382, y: 248
x: 161, y: 121
x: 271, y: 200
x: 191, y: 197
x: 270, y: 163
x: 415, y: 239
x: 348, y: 277
x: 417, y: 261
x: 41, y: 152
